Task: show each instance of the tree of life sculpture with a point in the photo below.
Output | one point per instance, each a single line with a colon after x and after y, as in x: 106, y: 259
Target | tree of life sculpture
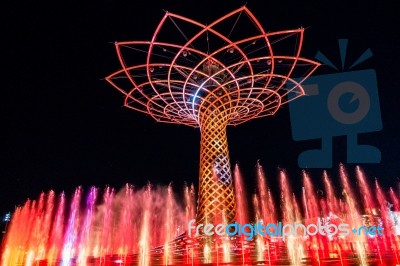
x: 211, y: 76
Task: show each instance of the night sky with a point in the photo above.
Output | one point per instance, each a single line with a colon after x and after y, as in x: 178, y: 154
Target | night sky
x: 62, y: 125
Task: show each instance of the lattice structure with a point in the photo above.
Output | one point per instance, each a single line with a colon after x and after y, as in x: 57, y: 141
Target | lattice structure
x: 211, y: 76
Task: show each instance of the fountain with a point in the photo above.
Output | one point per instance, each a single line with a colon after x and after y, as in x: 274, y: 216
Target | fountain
x: 148, y: 226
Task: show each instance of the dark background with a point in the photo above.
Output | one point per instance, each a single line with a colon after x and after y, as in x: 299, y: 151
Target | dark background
x: 63, y: 126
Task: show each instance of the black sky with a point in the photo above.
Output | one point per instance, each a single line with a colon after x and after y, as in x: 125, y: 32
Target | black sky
x: 63, y: 126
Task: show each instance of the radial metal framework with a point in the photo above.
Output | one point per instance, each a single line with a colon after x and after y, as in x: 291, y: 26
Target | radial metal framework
x: 211, y: 76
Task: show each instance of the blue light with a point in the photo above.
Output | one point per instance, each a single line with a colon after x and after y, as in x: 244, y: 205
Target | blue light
x: 7, y: 217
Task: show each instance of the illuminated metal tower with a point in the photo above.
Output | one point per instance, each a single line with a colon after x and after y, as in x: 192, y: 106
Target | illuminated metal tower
x: 211, y: 76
